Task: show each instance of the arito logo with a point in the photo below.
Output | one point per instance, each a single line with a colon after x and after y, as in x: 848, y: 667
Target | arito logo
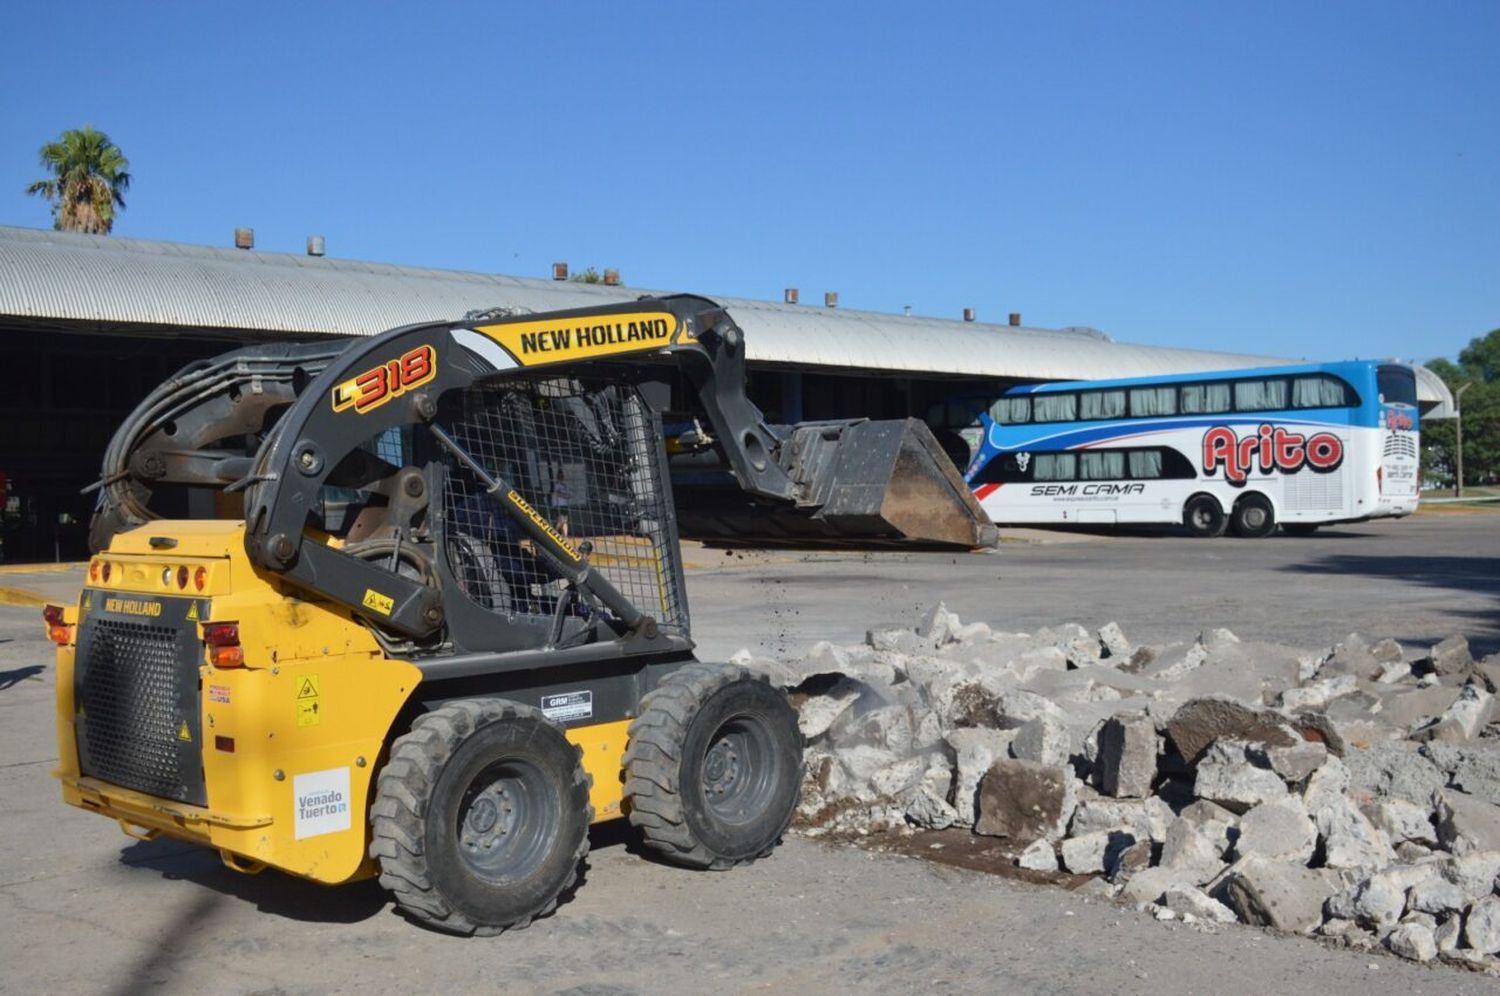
x: 1270, y: 448
x: 1398, y: 420
x: 391, y: 379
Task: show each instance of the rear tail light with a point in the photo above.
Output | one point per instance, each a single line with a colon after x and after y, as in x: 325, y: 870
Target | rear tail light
x: 200, y: 578
x: 1380, y: 480
x: 93, y: 570
x: 182, y: 576
x: 223, y: 640
x: 58, y: 631
x: 105, y: 572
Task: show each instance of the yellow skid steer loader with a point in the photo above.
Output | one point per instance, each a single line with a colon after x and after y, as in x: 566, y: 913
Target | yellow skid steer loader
x: 447, y: 628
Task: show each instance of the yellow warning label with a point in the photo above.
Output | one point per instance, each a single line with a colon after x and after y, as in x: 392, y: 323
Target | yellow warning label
x: 307, y: 712
x: 193, y: 612
x: 88, y: 602
x: 309, y: 709
x: 183, y: 733
x: 380, y: 603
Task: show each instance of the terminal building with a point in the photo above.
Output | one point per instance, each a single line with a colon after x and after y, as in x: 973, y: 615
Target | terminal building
x: 89, y: 324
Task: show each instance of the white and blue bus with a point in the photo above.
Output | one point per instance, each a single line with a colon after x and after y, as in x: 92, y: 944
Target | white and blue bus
x: 1242, y: 450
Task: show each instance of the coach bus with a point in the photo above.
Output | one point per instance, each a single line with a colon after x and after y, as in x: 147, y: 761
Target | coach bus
x: 1240, y: 450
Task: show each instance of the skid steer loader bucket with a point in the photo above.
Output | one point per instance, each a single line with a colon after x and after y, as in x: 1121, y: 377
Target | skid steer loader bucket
x: 862, y: 483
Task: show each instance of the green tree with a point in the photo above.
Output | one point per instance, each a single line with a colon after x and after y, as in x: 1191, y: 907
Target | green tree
x: 591, y: 276
x: 1479, y: 366
x: 89, y: 177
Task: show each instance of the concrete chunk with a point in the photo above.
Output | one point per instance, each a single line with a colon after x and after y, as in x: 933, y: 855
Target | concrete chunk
x: 1025, y: 801
x: 1044, y: 740
x: 1295, y: 763
x: 1277, y: 831
x: 1463, y: 721
x: 1465, y: 824
x: 819, y: 712
x: 1127, y: 756
x: 1412, y: 941
x: 1229, y: 775
x: 1112, y: 641
x: 1451, y: 657
x: 974, y: 751
x: 1196, y: 850
x: 1436, y: 896
x: 1482, y: 925
x: 1093, y: 853
x: 1403, y: 821
x: 1186, y: 901
x: 1350, y: 840
x: 1039, y: 855
x: 1200, y: 722
x: 1273, y: 894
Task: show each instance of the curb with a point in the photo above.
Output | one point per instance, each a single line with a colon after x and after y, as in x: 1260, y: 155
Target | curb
x: 23, y: 597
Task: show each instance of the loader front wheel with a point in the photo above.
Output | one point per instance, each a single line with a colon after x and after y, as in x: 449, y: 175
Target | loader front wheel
x: 714, y: 767
x: 481, y: 817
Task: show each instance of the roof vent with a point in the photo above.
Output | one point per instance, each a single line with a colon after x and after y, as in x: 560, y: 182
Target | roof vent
x: 968, y: 314
x: 244, y: 238
x: 1015, y: 318
x: 612, y: 278
x: 559, y: 271
x: 790, y: 295
x: 831, y: 299
x: 315, y: 245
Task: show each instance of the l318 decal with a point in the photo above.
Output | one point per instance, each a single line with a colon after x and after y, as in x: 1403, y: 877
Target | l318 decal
x: 373, y: 388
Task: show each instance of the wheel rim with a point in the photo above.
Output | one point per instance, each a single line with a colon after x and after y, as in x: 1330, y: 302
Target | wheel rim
x: 506, y: 821
x: 1254, y: 517
x: 1202, y: 517
x: 737, y: 777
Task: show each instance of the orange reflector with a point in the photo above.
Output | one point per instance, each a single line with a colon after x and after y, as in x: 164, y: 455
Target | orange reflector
x: 226, y: 656
x: 60, y: 635
x: 200, y: 578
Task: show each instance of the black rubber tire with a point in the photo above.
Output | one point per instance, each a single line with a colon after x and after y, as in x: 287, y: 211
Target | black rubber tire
x: 1253, y: 517
x: 1203, y: 517
x: 1300, y: 528
x: 703, y: 718
x: 450, y: 763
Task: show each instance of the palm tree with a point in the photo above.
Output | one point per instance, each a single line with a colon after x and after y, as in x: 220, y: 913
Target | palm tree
x: 89, y: 178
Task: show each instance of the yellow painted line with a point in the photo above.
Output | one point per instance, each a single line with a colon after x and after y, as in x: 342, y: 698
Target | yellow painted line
x: 22, y: 597
x: 42, y: 568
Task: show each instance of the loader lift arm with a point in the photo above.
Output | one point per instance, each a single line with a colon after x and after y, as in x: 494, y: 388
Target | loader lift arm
x: 299, y: 415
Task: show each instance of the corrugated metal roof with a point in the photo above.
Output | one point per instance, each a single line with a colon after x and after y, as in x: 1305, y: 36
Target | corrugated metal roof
x: 82, y: 278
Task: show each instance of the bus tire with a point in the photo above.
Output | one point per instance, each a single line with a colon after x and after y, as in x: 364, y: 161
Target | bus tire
x: 1299, y: 528
x: 1253, y: 517
x: 1203, y: 517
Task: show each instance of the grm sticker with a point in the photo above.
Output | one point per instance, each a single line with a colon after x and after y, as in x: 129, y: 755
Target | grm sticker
x: 568, y: 706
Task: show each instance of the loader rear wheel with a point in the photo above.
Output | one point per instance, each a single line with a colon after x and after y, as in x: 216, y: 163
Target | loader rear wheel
x: 713, y: 767
x: 481, y: 817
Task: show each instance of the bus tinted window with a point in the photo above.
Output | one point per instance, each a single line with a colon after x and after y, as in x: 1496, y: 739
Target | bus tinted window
x: 1055, y: 466
x: 1011, y: 411
x: 1205, y: 398
x: 1398, y: 386
x: 1260, y: 395
x: 1145, y: 464
x: 1320, y: 391
x: 1101, y: 465
x: 1101, y: 404
x: 1148, y: 401
x: 1054, y: 408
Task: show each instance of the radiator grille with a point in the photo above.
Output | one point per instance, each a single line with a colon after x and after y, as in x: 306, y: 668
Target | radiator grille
x: 1400, y: 444
x: 131, y: 720
x: 1310, y: 492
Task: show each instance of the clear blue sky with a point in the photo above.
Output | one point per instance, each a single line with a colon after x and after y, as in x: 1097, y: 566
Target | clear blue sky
x: 1303, y: 179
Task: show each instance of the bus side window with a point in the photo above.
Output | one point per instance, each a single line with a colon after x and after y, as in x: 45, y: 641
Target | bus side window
x: 1055, y: 466
x: 1145, y: 464
x: 1265, y: 394
x: 1205, y: 398
x: 1319, y: 391
x: 1011, y: 411
x: 1148, y: 401
x: 1055, y: 408
x: 1101, y: 465
x: 1101, y: 404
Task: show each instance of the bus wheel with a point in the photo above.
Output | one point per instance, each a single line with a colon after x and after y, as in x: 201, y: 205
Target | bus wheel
x: 1253, y: 517
x: 1299, y: 528
x: 1203, y: 517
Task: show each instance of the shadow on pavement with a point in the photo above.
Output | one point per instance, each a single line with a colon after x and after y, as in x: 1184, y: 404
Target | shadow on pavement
x: 271, y: 891
x: 1470, y: 575
x: 20, y: 674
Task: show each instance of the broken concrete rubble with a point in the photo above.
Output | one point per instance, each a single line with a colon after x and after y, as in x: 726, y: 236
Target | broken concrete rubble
x: 1354, y: 792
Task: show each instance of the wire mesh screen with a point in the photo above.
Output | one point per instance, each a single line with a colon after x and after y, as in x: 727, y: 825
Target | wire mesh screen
x: 585, y: 457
